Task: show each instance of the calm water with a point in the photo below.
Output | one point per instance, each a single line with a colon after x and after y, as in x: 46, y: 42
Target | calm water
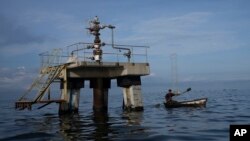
x: 225, y: 106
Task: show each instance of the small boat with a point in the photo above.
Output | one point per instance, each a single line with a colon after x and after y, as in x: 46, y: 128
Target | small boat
x: 201, y: 102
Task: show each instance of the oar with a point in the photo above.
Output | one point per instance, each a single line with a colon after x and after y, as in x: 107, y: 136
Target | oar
x: 188, y: 89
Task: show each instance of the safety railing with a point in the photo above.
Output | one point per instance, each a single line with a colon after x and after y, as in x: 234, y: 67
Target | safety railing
x: 51, y: 58
x: 83, y: 52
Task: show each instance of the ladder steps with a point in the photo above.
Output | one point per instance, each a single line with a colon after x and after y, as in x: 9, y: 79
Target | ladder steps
x: 52, y: 75
x: 42, y: 82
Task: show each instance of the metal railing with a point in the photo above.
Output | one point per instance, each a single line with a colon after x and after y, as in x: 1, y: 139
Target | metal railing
x: 83, y: 52
x: 52, y: 58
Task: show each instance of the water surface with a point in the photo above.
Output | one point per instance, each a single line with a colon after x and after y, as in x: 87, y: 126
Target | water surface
x: 224, y: 107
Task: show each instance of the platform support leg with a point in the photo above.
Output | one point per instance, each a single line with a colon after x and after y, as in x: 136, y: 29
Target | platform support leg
x: 100, y: 94
x: 70, y: 93
x: 131, y: 87
x: 71, y: 104
x: 132, y: 98
x: 74, y: 100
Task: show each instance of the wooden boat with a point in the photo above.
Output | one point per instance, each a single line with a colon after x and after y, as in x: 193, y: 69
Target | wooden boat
x: 201, y: 102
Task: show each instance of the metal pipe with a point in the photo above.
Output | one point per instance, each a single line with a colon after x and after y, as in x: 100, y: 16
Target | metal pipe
x: 128, y: 54
x: 129, y: 46
x: 79, y: 44
x: 79, y: 49
x: 113, y: 46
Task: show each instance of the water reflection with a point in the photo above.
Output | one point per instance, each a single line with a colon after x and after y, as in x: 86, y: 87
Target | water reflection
x: 100, y: 126
x: 133, y: 118
x: 93, y: 127
x: 133, y: 127
x: 70, y: 126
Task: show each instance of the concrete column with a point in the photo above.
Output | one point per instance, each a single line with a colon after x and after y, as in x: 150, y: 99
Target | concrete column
x: 132, y: 98
x: 74, y: 100
x: 100, y: 94
x: 71, y: 103
x: 64, y: 106
x: 70, y: 93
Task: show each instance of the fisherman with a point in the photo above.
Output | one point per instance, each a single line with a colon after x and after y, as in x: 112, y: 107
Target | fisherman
x: 169, y: 96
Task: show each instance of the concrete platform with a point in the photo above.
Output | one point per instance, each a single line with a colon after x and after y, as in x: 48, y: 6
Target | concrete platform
x: 111, y: 70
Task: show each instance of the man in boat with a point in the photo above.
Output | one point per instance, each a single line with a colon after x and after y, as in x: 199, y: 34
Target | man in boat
x: 169, y: 96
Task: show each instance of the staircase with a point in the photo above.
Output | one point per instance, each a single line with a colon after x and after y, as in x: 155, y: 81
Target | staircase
x: 49, y: 73
x: 54, y: 72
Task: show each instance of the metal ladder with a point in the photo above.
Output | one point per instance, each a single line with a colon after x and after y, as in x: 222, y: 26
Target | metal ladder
x: 54, y: 72
x: 51, y: 76
x: 49, y: 73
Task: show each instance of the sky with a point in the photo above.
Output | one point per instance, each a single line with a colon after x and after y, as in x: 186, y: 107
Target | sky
x: 209, y: 37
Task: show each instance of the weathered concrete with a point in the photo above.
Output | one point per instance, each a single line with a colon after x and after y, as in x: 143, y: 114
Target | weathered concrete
x: 132, y: 98
x: 70, y: 93
x: 131, y: 86
x: 107, y: 69
x: 100, y: 75
x: 71, y: 104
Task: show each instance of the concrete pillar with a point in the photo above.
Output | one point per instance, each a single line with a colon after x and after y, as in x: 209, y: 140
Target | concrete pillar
x: 71, y: 103
x: 100, y: 94
x: 64, y: 106
x: 74, y: 100
x: 132, y: 98
x: 70, y: 93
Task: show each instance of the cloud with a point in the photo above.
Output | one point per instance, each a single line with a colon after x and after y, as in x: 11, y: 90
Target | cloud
x: 13, y: 34
x: 38, y: 31
x: 16, y: 78
x: 190, y: 33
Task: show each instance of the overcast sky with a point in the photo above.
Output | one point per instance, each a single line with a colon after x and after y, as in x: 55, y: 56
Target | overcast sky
x: 210, y: 37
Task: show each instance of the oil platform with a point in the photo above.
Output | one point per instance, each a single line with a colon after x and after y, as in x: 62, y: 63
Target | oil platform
x: 96, y: 62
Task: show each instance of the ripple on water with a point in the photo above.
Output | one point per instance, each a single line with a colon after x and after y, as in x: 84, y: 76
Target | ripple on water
x: 154, y: 123
x: 30, y: 136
